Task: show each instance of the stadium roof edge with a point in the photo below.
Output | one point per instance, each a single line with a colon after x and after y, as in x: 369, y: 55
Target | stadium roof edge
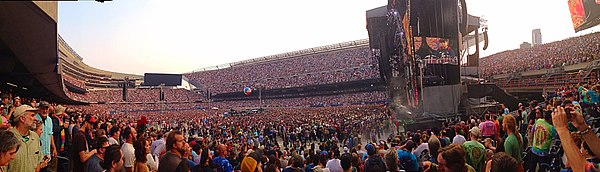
x: 72, y: 54
x: 320, y: 49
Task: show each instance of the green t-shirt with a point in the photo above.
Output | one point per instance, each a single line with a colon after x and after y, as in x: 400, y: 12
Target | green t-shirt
x: 524, y: 116
x: 513, y: 147
x: 475, y: 154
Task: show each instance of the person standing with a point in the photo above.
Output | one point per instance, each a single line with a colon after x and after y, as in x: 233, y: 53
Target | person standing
x: 458, y: 138
x: 129, y: 134
x: 543, y: 134
x: 48, y: 146
x: 80, y: 152
x: 115, y: 134
x: 221, y: 159
x: 374, y: 162
x: 513, y: 145
x: 113, y: 159
x: 142, y: 149
x: 475, y: 151
x: 29, y: 156
x: 488, y: 128
x: 172, y: 160
x: 94, y: 163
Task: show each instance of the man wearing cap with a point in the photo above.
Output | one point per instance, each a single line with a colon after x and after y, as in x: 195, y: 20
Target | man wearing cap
x: 6, y: 109
x: 252, y: 162
x: 58, y: 127
x: 29, y: 156
x: 17, y: 101
x: 57, y: 113
x: 374, y: 162
x: 80, y: 152
x: 475, y: 150
x: 48, y: 146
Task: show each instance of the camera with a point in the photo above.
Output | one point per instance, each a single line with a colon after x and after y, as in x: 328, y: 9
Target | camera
x: 568, y: 112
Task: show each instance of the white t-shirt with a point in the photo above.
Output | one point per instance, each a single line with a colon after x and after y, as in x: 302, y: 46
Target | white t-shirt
x: 128, y: 155
x: 151, y: 163
x: 420, y: 148
x: 334, y: 165
x: 458, y: 139
x: 112, y: 141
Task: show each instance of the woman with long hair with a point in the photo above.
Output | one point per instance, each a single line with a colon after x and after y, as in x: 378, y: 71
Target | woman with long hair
x: 205, y: 164
x: 513, y: 145
x: 142, y: 148
x: 391, y: 160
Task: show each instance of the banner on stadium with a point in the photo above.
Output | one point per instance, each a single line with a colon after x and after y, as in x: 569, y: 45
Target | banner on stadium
x: 584, y: 13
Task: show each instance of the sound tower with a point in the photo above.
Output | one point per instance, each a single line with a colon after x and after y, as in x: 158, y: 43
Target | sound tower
x: 124, y: 86
x: 162, y: 95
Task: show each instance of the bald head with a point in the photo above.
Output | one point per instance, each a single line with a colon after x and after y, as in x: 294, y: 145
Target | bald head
x: 222, y: 149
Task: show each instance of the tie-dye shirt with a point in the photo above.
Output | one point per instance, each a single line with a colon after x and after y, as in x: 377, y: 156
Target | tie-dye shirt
x: 543, y: 133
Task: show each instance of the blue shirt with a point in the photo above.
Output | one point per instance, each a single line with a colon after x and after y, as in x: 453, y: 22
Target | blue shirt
x: 46, y: 135
x: 223, y: 164
x: 408, y: 161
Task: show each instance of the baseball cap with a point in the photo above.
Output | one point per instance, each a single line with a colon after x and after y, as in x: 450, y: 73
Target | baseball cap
x: 475, y: 131
x: 90, y: 119
x: 44, y: 104
x: 249, y: 164
x: 19, y: 111
x: 370, y: 149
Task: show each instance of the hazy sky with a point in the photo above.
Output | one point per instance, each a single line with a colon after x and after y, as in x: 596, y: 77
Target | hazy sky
x: 176, y: 36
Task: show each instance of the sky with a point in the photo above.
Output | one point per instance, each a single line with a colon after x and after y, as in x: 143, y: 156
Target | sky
x: 178, y: 36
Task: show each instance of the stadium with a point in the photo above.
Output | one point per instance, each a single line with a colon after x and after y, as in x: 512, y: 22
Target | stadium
x: 389, y: 93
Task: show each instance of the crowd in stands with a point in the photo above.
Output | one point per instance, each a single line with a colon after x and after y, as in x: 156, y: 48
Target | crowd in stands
x: 343, y: 138
x: 150, y: 109
x: 550, y: 55
x: 336, y: 133
x: 312, y: 69
x: 75, y: 82
x: 332, y: 100
x: 136, y: 95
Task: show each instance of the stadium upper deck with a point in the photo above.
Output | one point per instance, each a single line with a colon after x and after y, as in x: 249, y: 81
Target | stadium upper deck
x: 343, y: 62
x: 556, y: 54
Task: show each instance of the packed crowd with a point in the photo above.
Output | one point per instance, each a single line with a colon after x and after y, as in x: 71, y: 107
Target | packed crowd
x: 75, y: 82
x: 149, y: 108
x: 345, y: 138
x: 135, y: 137
x: 330, y: 100
x: 312, y: 69
x: 551, y: 55
x: 136, y: 95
